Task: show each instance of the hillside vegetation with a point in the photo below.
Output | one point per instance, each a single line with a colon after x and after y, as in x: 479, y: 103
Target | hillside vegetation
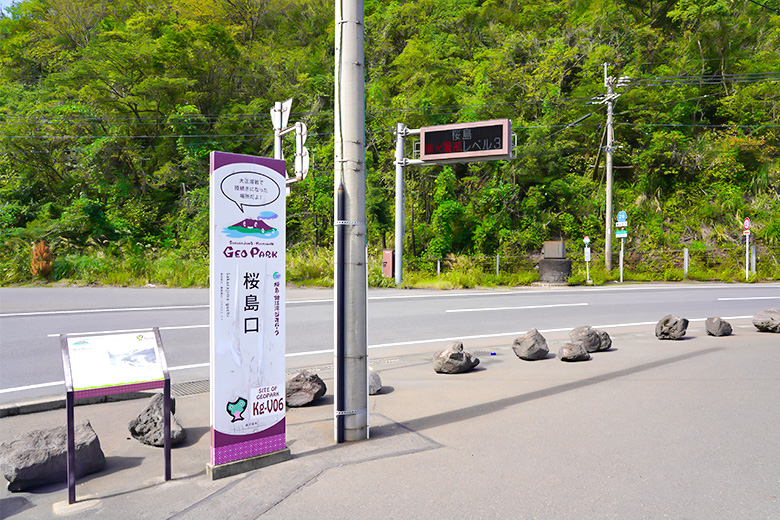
x: 108, y: 110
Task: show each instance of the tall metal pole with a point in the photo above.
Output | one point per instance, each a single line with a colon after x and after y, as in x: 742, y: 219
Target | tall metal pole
x: 278, y: 133
x: 351, y: 408
x: 400, y: 166
x: 610, y: 143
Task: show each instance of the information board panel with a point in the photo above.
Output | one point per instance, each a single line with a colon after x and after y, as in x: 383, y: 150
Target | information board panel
x: 464, y: 142
x: 116, y: 363
x: 247, y: 249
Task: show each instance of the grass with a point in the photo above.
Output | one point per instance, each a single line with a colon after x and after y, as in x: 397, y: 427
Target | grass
x: 314, y: 267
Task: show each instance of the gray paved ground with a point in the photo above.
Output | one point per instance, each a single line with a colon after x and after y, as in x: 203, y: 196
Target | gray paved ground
x: 650, y: 429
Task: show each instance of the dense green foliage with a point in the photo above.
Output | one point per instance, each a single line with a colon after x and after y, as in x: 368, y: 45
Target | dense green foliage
x: 108, y: 110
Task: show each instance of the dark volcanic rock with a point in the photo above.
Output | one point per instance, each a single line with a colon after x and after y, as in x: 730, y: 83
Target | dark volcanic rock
x: 531, y: 347
x: 454, y: 360
x: 149, y: 425
x: 587, y: 337
x: 605, y: 342
x: 767, y: 321
x: 593, y: 340
x: 717, y: 327
x: 374, y: 382
x: 40, y: 457
x: 671, y: 327
x: 303, y: 388
x: 573, y: 352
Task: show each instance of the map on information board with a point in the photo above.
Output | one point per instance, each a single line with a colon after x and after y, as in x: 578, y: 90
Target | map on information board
x: 114, y: 360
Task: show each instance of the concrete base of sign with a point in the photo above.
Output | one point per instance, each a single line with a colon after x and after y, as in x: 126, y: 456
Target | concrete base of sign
x: 85, y: 503
x: 555, y: 270
x: 242, y: 466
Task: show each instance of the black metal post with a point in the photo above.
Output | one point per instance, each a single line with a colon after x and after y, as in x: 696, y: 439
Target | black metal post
x: 167, y: 427
x: 340, y: 305
x: 71, y: 462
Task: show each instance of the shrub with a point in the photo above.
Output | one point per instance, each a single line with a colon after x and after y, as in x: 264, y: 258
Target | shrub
x: 42, y: 260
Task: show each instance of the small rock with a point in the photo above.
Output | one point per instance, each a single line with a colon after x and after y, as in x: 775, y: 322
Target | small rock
x: 767, y: 321
x: 573, y: 352
x: 374, y: 382
x: 717, y: 327
x: 304, y: 388
x: 531, y: 347
x: 605, y: 342
x: 149, y: 426
x: 454, y: 360
x: 671, y: 327
x: 40, y: 457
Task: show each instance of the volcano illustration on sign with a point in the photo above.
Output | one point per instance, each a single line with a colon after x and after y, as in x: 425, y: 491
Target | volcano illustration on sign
x: 254, y: 227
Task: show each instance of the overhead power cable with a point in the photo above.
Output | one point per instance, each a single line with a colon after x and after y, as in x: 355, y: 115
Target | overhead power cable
x: 699, y: 79
x: 765, y: 6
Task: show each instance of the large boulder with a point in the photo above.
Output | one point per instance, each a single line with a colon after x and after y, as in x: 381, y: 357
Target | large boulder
x: 454, y: 360
x: 304, y: 388
x: 671, y: 327
x: 587, y: 337
x: 573, y: 352
x: 592, y: 340
x: 531, y: 347
x: 374, y: 382
x: 767, y: 321
x: 148, y: 426
x: 40, y: 457
x: 717, y: 327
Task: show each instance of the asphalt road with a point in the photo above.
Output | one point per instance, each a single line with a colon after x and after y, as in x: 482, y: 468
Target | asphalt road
x: 399, y: 321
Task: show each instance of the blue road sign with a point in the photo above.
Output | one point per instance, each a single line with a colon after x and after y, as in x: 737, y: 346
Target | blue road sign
x: 622, y: 216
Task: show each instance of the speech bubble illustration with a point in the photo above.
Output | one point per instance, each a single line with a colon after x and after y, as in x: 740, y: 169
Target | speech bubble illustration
x: 249, y: 189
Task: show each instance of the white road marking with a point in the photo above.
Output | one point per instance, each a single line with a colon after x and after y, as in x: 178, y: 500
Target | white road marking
x: 185, y: 367
x: 55, y: 383
x: 396, y: 344
x: 749, y: 298
x: 522, y: 292
x: 311, y: 353
x: 404, y: 297
x: 517, y: 308
x: 31, y: 387
x: 95, y: 333
x: 96, y: 311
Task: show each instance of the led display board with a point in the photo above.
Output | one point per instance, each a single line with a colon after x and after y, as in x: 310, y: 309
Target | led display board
x: 466, y: 142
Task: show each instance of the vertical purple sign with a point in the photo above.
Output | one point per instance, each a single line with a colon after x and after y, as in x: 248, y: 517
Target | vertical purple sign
x: 247, y: 261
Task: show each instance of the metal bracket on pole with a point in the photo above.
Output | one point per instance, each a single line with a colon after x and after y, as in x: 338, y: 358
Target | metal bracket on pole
x: 280, y: 114
x: 351, y: 412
